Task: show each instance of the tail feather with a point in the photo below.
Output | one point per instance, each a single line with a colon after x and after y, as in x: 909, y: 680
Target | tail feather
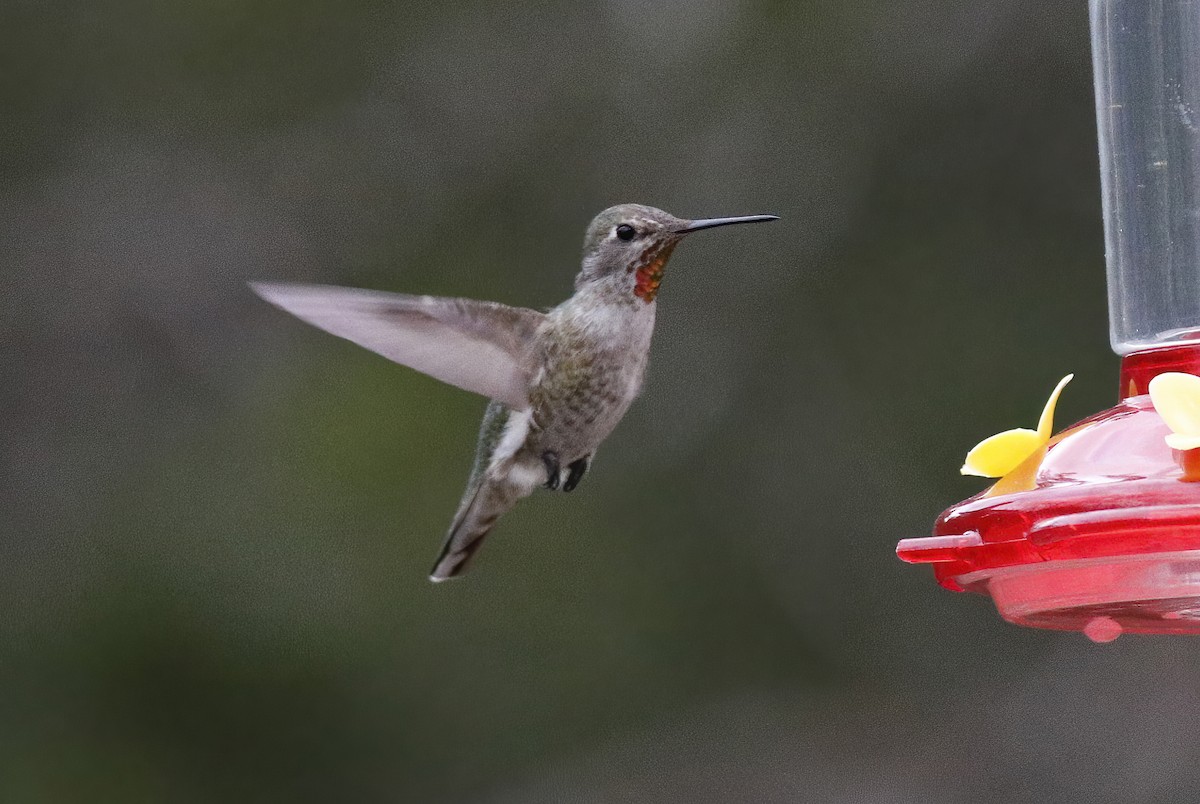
x: 499, y: 478
x: 475, y: 518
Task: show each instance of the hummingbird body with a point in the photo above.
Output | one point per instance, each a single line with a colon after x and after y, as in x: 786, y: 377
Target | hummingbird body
x: 559, y: 381
x: 587, y: 363
x: 592, y: 355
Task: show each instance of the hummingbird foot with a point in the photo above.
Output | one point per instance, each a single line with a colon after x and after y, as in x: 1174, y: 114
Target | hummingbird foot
x: 553, y: 468
x: 575, y: 472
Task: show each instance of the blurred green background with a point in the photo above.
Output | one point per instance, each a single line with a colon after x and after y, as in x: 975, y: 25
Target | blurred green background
x: 216, y: 521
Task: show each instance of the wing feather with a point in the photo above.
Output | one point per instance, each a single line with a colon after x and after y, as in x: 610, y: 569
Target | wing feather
x: 475, y: 345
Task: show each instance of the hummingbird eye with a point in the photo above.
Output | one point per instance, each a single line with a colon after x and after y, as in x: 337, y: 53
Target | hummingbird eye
x: 625, y: 232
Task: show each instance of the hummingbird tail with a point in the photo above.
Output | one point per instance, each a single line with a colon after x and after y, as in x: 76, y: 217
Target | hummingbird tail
x: 480, y: 509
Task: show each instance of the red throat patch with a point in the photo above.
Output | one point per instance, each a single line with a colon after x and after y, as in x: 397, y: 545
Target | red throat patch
x: 650, y: 272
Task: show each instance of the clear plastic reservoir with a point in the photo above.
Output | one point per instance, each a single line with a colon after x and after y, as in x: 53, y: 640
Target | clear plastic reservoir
x: 1147, y: 62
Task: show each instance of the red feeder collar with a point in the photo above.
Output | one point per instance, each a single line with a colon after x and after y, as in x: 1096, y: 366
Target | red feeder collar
x: 1139, y: 368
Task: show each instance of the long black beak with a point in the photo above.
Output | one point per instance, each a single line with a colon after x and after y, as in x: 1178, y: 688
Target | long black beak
x: 708, y: 223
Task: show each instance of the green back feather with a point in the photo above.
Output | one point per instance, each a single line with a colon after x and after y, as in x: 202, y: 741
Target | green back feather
x: 495, y: 418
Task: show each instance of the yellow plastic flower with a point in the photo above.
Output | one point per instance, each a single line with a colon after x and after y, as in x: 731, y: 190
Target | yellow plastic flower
x: 1176, y: 397
x: 1004, y: 452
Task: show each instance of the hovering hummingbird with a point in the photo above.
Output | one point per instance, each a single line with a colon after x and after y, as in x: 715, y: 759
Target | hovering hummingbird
x: 558, y: 381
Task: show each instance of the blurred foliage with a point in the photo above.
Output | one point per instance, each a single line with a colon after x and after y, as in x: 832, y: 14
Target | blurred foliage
x: 218, y: 521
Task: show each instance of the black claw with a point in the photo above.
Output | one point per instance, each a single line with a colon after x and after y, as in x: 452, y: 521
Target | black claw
x: 550, y: 459
x: 575, y: 473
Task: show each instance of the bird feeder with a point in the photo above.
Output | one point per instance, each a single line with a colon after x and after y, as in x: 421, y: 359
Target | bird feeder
x: 1098, y: 530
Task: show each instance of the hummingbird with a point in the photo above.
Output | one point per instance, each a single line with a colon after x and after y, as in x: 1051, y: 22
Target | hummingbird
x: 558, y: 381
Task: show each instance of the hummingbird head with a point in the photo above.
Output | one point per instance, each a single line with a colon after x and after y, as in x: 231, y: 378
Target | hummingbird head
x: 627, y: 247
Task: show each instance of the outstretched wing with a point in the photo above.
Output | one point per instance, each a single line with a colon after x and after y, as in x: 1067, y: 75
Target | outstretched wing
x: 475, y: 345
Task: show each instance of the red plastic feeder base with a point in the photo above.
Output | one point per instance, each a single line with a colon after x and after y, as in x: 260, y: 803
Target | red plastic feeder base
x: 1099, y: 532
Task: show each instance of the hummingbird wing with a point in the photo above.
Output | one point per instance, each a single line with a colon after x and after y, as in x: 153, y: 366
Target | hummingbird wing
x: 474, y: 345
